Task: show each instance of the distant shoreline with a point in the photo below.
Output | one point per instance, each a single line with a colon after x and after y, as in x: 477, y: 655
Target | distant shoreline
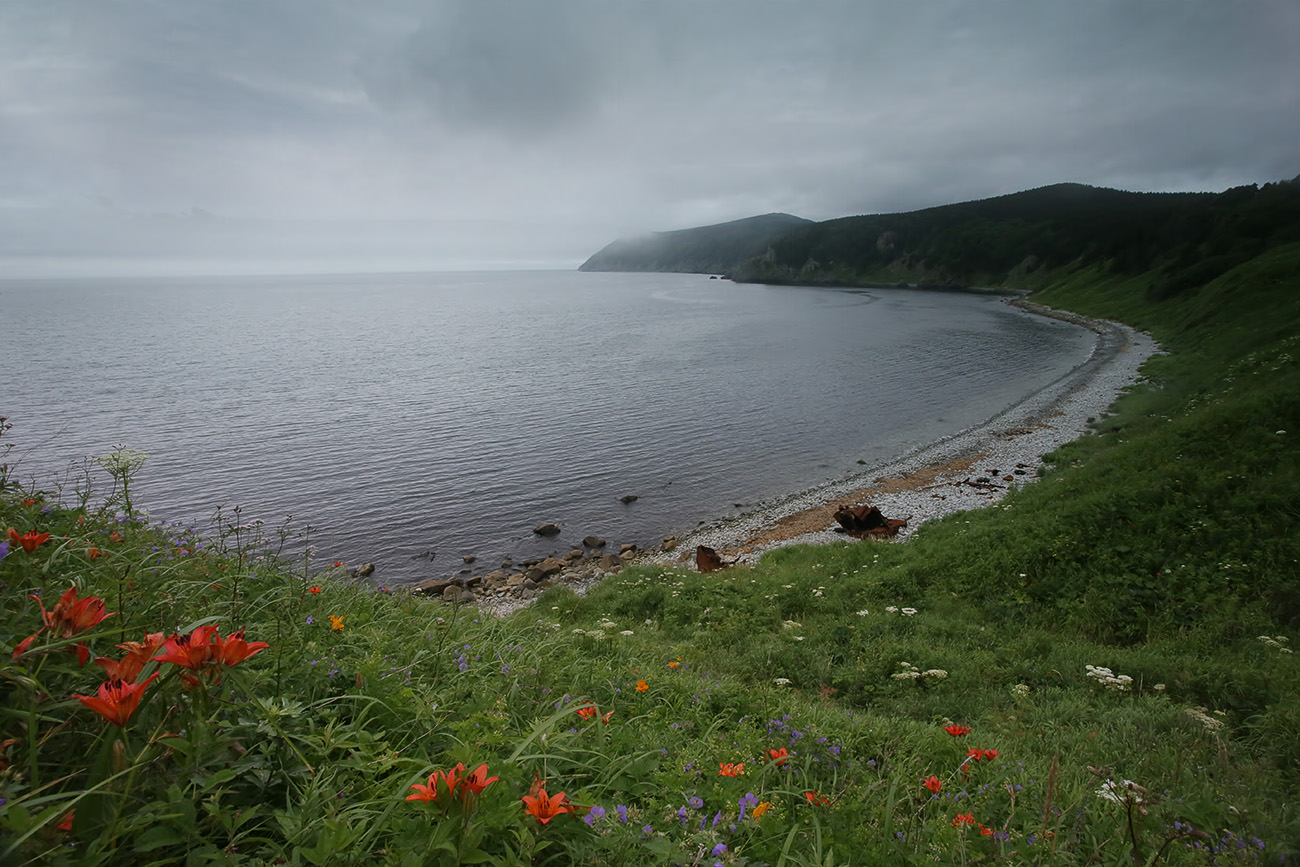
x: 932, y: 481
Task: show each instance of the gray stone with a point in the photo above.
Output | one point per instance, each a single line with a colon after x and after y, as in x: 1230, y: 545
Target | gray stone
x: 548, y: 529
x: 593, y: 542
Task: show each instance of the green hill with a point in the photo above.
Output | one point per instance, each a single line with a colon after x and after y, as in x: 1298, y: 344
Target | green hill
x: 1022, y: 240
x: 705, y: 250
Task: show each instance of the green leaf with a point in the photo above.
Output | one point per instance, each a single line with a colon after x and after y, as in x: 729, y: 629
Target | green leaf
x: 157, y: 837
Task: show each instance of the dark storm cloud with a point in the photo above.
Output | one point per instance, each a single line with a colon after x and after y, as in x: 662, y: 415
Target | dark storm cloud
x: 593, y: 118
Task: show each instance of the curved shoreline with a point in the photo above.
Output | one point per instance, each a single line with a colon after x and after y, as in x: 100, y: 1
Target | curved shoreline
x: 930, y: 482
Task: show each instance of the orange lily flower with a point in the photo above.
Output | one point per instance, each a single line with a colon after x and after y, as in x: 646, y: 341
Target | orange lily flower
x: 71, y: 616
x: 93, y: 552
x: 780, y: 756
x: 233, y: 649
x: 816, y: 799
x: 641, y: 685
x: 932, y: 783
x: 588, y: 712
x: 957, y: 731
x: 138, y: 654
x: 477, y: 781
x: 729, y: 769
x: 30, y: 541
x: 116, y: 700
x: 192, y: 650
x: 543, y: 806
x: 313, y: 590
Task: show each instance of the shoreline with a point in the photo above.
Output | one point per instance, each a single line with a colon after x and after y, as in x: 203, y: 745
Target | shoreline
x: 935, y: 480
x: 970, y: 469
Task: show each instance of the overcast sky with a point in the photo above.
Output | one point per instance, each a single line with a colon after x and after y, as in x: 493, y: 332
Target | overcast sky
x: 238, y: 135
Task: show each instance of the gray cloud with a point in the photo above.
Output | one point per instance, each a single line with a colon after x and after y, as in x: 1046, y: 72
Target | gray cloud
x: 594, y: 118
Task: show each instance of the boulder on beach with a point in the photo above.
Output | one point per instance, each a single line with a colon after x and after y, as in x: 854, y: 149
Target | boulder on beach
x: 593, y: 542
x: 709, y: 560
x: 864, y: 521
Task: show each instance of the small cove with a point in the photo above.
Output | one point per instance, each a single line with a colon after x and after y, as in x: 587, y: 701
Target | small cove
x: 405, y: 413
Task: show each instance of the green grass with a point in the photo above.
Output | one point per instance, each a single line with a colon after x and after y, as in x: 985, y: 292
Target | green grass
x: 1162, y: 547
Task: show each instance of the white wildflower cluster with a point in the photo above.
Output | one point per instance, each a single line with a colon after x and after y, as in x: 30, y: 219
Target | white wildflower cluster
x: 819, y: 591
x: 1201, y: 716
x: 1125, y: 791
x: 911, y: 672
x: 782, y: 681
x: 1020, y: 690
x: 790, y: 624
x: 863, y: 613
x: 894, y: 609
x: 1109, y: 679
x: 606, y: 623
x: 1278, y: 641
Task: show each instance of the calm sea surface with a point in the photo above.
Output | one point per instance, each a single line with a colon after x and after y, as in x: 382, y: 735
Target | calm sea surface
x: 454, y: 412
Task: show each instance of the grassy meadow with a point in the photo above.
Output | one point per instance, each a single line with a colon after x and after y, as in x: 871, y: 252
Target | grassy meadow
x: 1097, y: 670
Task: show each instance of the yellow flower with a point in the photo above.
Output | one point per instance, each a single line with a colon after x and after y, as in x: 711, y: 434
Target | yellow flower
x: 336, y: 623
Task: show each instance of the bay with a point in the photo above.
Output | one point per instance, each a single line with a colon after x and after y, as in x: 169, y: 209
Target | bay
x: 398, y: 414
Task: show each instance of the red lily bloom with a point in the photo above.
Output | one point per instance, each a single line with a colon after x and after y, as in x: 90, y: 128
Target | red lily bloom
x: 137, y: 655
x: 957, y: 731
x: 605, y: 718
x: 476, y: 782
x: 967, y: 819
x: 933, y: 784
x: 816, y: 799
x: 313, y: 590
x: 193, y: 650
x: 543, y: 806
x: 93, y: 552
x: 116, y: 700
x: 233, y: 649
x: 728, y: 769
x: 425, y: 792
x: 446, y: 780
x: 976, y: 754
x: 30, y: 541
x: 780, y: 756
x: 71, y: 616
x: 588, y: 712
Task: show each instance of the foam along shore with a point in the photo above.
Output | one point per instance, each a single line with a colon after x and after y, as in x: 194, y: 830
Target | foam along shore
x: 971, y: 469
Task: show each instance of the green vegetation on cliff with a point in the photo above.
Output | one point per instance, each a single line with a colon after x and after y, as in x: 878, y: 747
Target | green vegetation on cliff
x: 1099, y: 670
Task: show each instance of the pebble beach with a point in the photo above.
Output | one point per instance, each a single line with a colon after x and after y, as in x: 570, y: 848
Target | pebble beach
x: 971, y: 469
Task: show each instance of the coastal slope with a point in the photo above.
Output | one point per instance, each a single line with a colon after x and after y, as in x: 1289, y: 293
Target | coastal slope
x: 704, y: 250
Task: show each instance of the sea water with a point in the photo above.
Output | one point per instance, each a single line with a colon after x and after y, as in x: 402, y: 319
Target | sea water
x: 402, y: 414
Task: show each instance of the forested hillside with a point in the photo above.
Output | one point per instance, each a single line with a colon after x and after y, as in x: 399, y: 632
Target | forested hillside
x: 1022, y: 240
